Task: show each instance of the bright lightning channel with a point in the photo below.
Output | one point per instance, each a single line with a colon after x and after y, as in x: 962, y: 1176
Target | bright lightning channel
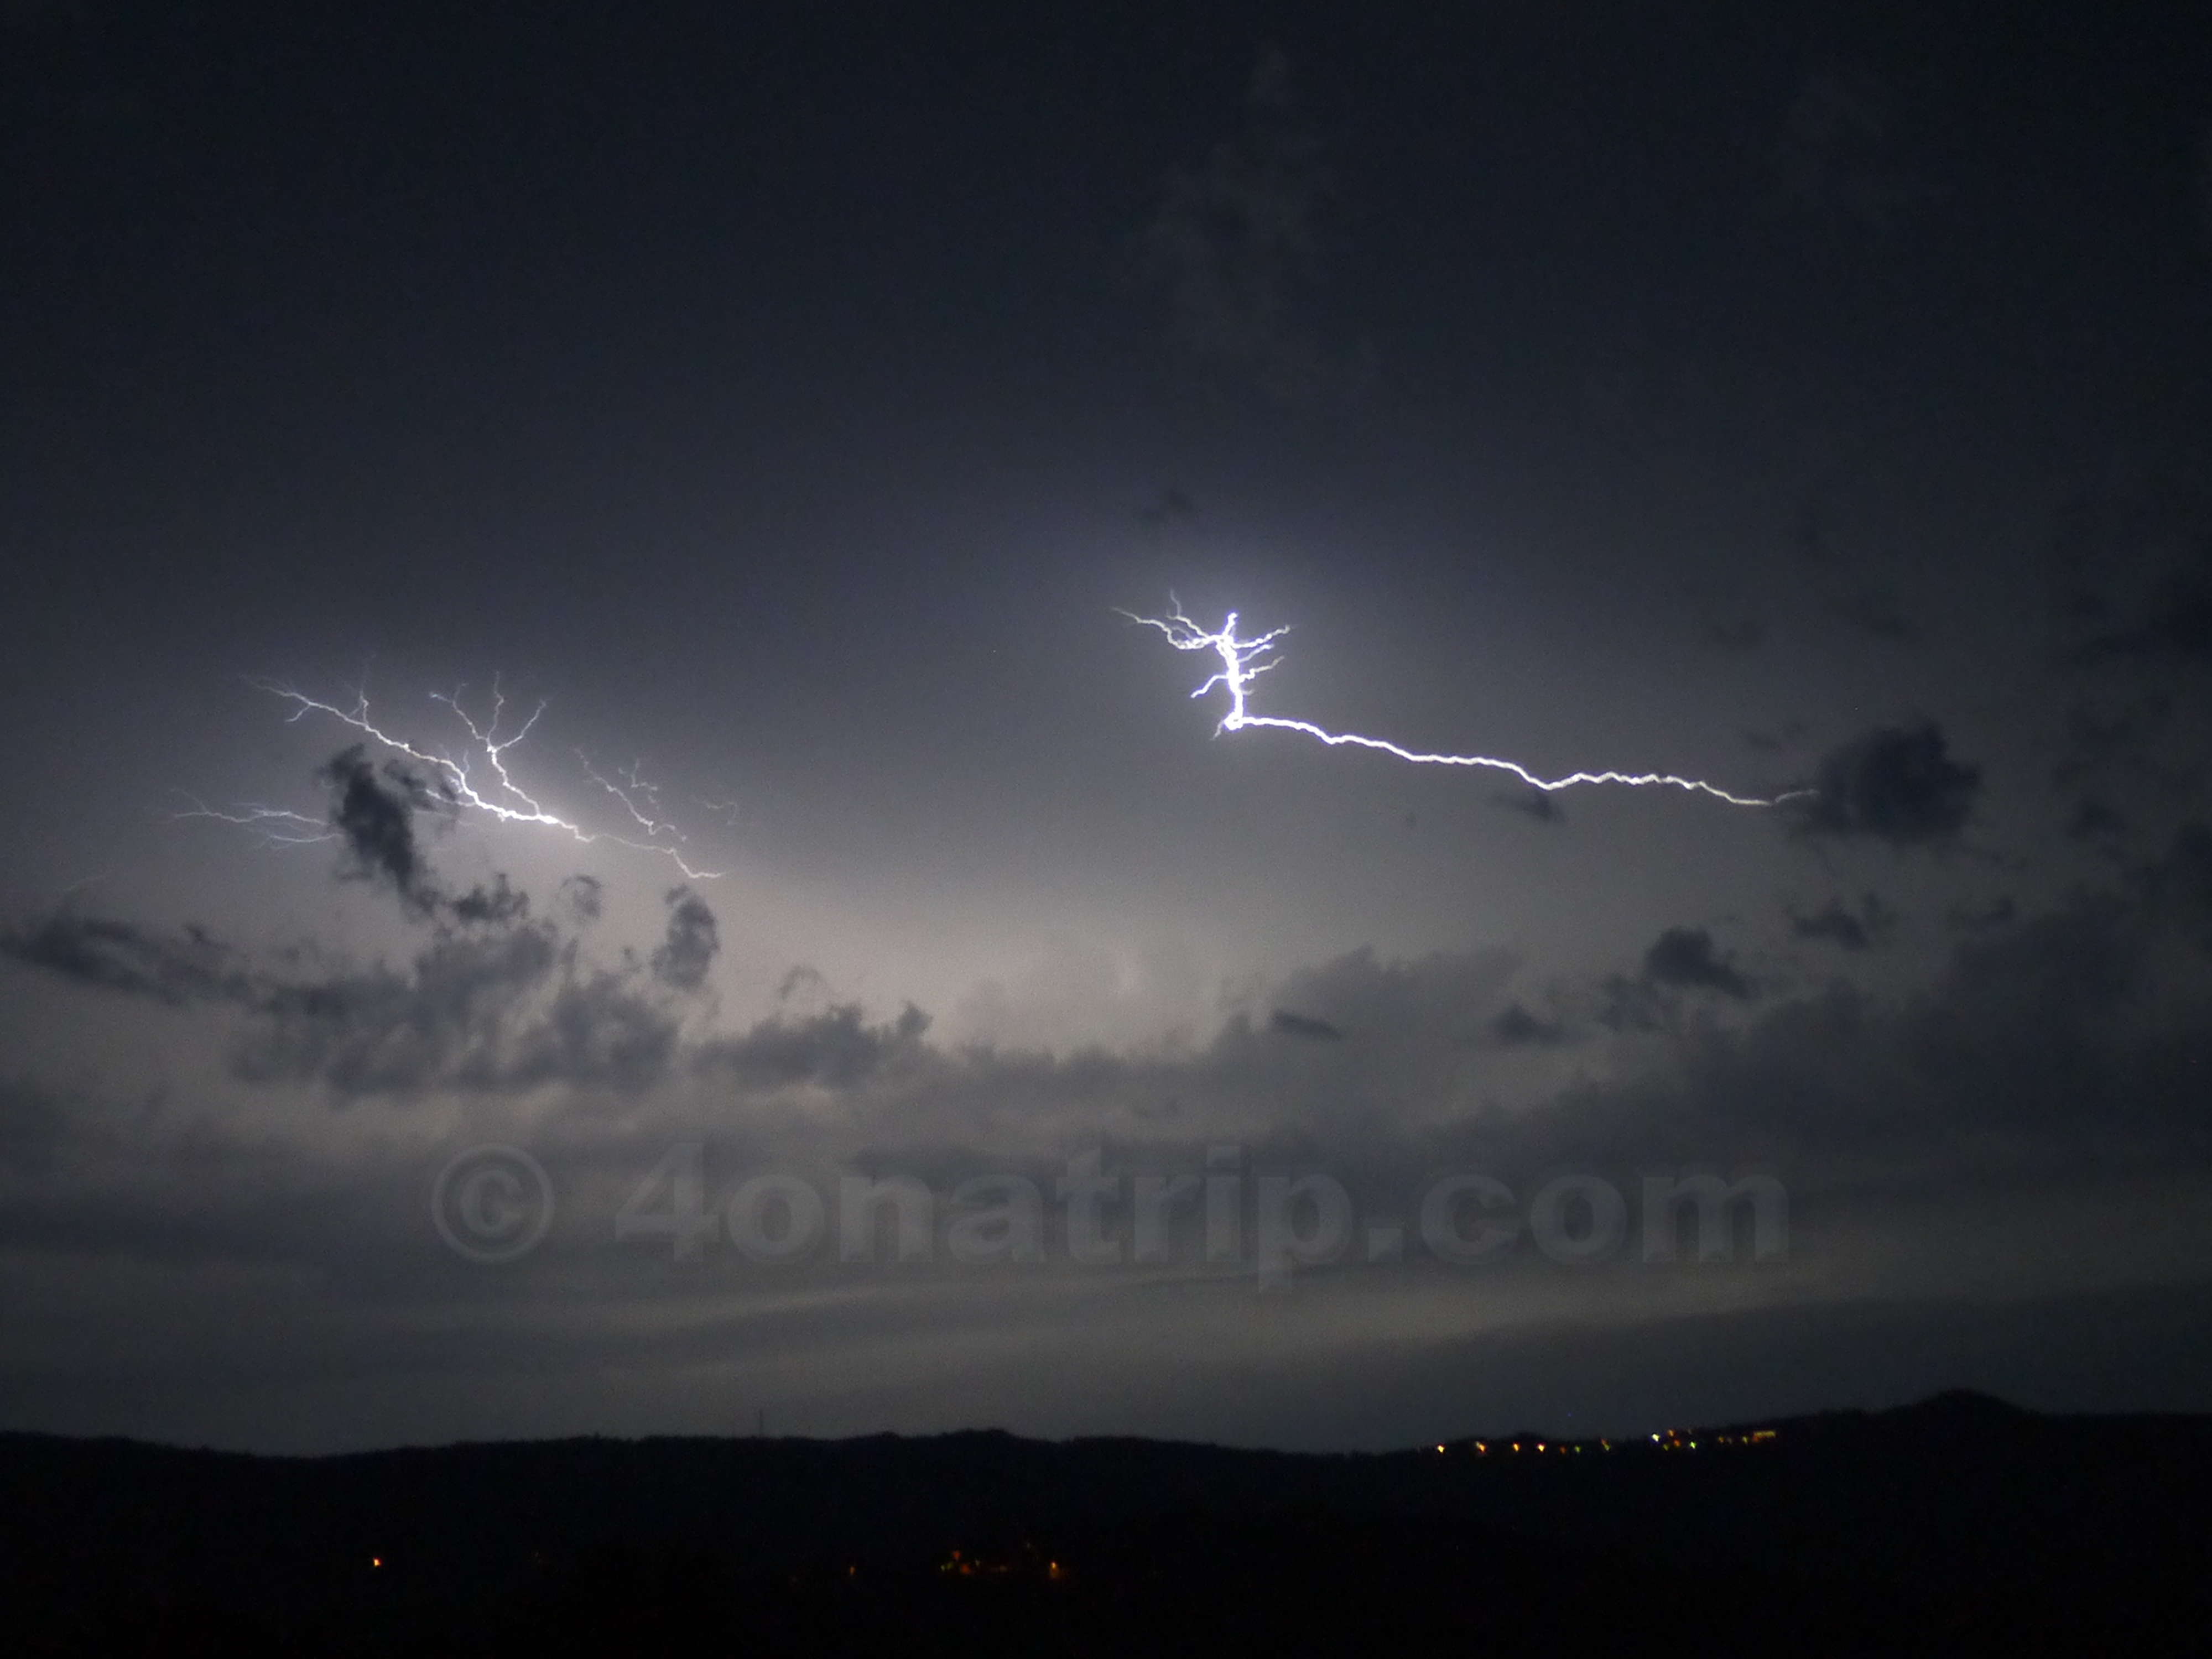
x: 500, y: 797
x: 1244, y: 660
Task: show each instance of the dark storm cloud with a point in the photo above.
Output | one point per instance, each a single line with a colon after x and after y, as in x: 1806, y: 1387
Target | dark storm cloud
x: 1898, y: 784
x: 124, y: 956
x: 1540, y: 805
x: 494, y: 1002
x: 1303, y: 1025
x: 494, y: 1011
x: 834, y: 1049
x: 1687, y: 956
x: 2036, y: 1032
x: 2000, y: 912
x: 585, y: 896
x: 2028, y: 1052
x: 374, y: 810
x: 600, y: 1032
x: 2029, y: 1049
x: 1446, y: 998
x: 496, y: 906
x: 2028, y: 1061
x: 1236, y: 247
x: 499, y: 1012
x: 381, y: 1032
x: 1835, y: 925
x: 1515, y: 1027
x: 682, y: 957
x: 1854, y: 929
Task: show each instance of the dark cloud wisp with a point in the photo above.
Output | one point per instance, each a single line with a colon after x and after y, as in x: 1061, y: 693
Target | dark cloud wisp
x: 684, y: 956
x: 374, y: 810
x: 1898, y: 784
x: 1687, y: 958
x: 1854, y: 929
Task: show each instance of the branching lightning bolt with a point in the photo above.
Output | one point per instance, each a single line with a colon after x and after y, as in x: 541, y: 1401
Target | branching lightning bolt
x: 500, y: 796
x: 629, y: 792
x: 1243, y: 660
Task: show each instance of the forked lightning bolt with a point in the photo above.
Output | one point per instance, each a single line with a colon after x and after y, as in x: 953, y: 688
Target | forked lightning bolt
x: 1244, y: 660
x: 483, y: 762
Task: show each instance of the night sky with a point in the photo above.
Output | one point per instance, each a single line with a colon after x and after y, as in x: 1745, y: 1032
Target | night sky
x: 786, y: 405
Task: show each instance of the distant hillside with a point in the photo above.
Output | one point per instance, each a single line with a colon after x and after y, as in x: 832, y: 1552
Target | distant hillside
x: 1939, y: 1527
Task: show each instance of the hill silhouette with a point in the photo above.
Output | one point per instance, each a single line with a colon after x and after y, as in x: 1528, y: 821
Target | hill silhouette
x: 1961, y: 1524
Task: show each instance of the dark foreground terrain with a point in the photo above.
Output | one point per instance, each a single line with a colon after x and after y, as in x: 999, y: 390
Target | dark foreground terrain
x: 1960, y: 1525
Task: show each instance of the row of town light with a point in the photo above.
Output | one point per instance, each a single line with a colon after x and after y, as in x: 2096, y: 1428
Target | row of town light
x: 1665, y: 1440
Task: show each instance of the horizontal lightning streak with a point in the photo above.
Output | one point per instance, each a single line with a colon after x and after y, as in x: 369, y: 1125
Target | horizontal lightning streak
x: 1243, y: 659
x: 277, y: 826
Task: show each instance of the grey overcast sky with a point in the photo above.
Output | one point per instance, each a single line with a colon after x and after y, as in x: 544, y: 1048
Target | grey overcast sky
x: 718, y: 443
